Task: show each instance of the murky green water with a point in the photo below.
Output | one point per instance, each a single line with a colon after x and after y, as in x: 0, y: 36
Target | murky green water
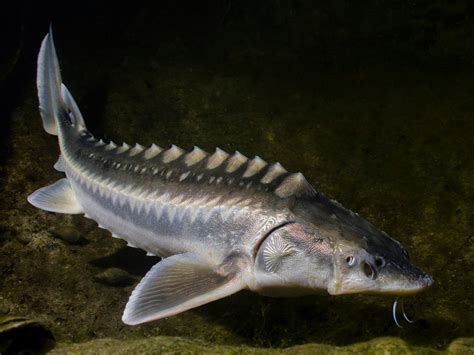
x: 395, y: 145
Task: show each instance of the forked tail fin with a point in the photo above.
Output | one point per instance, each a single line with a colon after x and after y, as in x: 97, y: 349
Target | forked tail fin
x: 59, y: 111
x: 55, y: 102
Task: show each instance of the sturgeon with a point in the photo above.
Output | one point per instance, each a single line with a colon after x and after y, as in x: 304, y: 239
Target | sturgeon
x: 220, y: 222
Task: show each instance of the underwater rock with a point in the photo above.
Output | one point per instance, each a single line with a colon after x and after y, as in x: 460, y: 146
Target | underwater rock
x: 21, y: 335
x: 6, y: 234
x: 115, y: 277
x: 461, y: 346
x: 68, y: 234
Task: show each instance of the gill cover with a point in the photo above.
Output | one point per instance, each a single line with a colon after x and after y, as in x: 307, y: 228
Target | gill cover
x: 293, y: 260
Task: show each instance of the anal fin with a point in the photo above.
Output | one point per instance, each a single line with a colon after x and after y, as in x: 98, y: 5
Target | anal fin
x: 59, y: 165
x: 176, y: 284
x: 58, y: 197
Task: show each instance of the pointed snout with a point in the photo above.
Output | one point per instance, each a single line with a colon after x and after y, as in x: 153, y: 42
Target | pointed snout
x: 426, y: 281
x: 423, y: 283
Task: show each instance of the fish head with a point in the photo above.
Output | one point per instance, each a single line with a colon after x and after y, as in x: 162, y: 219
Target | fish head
x: 329, y: 248
x: 365, y: 259
x: 376, y: 264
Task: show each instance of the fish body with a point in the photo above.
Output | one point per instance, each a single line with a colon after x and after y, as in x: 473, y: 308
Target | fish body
x: 221, y: 222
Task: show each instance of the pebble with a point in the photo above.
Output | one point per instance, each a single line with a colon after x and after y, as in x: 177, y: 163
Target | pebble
x: 68, y: 234
x: 6, y: 235
x: 115, y: 277
x: 4, y: 309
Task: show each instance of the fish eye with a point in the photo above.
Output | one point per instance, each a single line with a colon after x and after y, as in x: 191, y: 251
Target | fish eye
x: 379, y: 261
x: 351, y: 260
x: 368, y: 271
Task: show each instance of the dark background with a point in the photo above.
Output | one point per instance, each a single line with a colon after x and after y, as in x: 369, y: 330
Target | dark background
x: 314, y: 35
x: 391, y: 86
x: 303, y: 36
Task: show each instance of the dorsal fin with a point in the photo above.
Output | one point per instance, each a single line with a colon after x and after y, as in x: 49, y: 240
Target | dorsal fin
x: 75, y: 113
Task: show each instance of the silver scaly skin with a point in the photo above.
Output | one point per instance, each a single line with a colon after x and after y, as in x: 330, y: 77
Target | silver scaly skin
x: 221, y: 222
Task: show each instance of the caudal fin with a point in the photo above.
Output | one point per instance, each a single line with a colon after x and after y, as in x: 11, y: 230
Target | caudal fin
x: 55, y: 101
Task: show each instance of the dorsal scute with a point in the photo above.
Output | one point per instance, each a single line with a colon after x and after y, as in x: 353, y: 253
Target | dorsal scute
x: 295, y: 185
x: 216, y: 159
x: 235, y: 162
x: 252, y: 172
x: 110, y: 146
x: 172, y: 154
x: 272, y: 173
x: 123, y: 148
x: 194, y: 156
x: 254, y: 166
x: 137, y: 149
x: 152, y: 151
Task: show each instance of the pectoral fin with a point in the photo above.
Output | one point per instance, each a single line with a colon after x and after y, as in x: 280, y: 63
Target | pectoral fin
x: 176, y: 284
x: 57, y: 197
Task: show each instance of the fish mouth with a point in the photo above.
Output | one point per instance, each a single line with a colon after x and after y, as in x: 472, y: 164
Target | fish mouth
x: 422, y: 284
x: 425, y: 282
x: 407, y: 288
